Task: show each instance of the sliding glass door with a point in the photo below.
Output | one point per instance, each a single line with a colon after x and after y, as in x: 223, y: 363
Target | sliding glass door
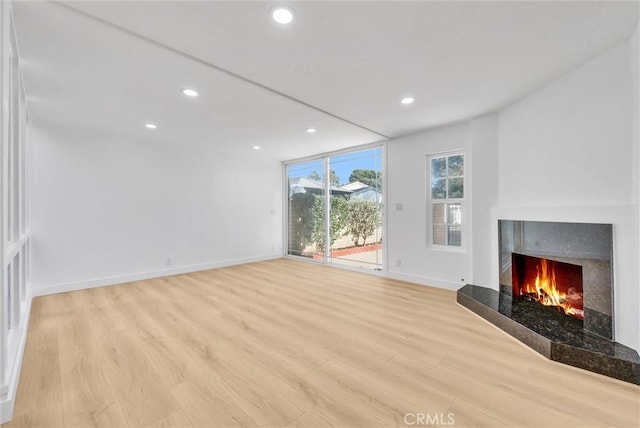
x: 335, y: 209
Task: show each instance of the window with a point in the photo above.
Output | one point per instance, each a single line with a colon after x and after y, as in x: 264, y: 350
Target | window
x: 446, y: 198
x: 335, y: 208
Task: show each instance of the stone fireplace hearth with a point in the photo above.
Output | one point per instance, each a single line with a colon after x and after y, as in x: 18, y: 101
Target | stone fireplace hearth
x: 545, y: 271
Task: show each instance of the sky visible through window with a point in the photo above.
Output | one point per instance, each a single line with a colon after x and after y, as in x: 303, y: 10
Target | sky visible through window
x: 343, y: 165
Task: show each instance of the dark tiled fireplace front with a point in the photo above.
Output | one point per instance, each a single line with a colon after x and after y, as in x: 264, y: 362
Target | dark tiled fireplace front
x: 573, y: 262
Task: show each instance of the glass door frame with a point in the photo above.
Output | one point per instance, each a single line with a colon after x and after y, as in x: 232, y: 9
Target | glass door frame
x: 325, y: 157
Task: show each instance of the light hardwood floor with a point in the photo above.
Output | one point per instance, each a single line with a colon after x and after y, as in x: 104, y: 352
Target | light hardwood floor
x: 288, y: 343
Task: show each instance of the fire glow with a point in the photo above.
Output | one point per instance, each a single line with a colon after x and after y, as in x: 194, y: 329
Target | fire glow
x: 549, y: 283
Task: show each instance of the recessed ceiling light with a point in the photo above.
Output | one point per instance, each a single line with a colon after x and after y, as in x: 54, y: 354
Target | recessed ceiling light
x: 407, y: 100
x: 151, y: 126
x: 256, y: 147
x: 311, y: 130
x: 282, y: 14
x: 190, y: 92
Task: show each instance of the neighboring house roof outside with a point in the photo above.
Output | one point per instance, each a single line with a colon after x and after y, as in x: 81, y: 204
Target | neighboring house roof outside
x: 304, y: 185
x: 356, y: 185
x: 367, y: 194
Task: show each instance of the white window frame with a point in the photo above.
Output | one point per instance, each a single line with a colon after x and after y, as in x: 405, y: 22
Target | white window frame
x: 15, y: 297
x: 431, y: 202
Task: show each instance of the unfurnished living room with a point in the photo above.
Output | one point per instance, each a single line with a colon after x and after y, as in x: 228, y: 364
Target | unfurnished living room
x: 320, y: 214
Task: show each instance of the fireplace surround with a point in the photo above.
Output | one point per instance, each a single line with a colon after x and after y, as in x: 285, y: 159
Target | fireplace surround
x: 588, y: 245
x: 574, y: 263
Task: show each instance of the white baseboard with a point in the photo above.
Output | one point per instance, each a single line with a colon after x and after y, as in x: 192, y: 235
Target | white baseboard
x: 423, y: 280
x: 400, y: 276
x: 7, y: 402
x: 46, y: 289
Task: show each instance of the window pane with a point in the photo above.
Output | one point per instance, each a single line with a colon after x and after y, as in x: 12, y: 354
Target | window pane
x: 438, y: 189
x: 439, y: 234
x: 454, y: 214
x: 456, y: 166
x: 438, y: 168
x: 447, y: 186
x: 454, y: 236
x: 456, y: 188
x: 306, y: 209
x: 439, y: 214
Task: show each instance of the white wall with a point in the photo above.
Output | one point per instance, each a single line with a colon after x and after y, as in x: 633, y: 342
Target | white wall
x: 407, y: 183
x: 570, y: 143
x: 485, y: 197
x: 409, y: 254
x: 634, y: 48
x: 105, y: 209
x: 568, y: 153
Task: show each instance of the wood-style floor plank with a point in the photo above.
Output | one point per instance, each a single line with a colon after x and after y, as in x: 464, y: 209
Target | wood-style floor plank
x: 139, y: 389
x: 87, y: 396
x: 285, y: 343
x: 43, y: 417
x: 175, y: 420
x: 41, y: 388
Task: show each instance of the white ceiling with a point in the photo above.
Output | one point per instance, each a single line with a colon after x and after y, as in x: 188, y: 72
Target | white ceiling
x: 341, y: 67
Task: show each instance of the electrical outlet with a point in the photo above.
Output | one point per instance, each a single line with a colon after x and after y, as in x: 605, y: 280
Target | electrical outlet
x: 398, y: 263
x: 399, y: 206
x: 168, y: 261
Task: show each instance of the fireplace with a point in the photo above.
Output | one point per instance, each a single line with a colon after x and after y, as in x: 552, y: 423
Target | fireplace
x: 556, y: 294
x: 575, y: 258
x: 551, y: 283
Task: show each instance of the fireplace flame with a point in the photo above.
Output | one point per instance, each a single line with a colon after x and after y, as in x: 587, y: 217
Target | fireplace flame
x: 547, y: 292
